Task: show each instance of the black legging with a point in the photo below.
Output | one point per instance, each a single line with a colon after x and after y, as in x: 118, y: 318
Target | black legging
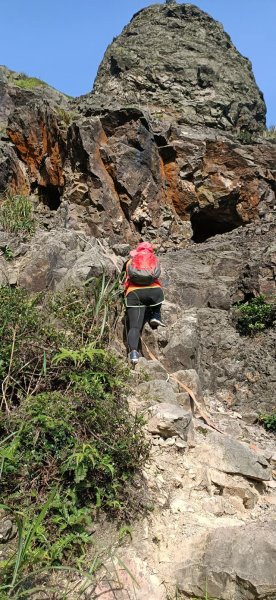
x: 141, y: 304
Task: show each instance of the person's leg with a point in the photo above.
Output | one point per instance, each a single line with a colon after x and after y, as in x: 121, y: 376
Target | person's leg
x: 157, y: 298
x: 135, y: 317
x: 155, y: 319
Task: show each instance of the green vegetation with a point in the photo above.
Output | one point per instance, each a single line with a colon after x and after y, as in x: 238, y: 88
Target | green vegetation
x: 69, y: 447
x: 8, y: 253
x: 65, y: 116
x: 27, y: 83
x: 16, y: 215
x: 255, y: 315
x: 246, y: 137
x: 270, y: 133
x: 268, y: 420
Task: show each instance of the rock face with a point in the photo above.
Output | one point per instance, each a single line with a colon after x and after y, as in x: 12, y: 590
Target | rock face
x: 175, y: 59
x: 126, y: 177
x: 237, y: 562
x: 202, y: 284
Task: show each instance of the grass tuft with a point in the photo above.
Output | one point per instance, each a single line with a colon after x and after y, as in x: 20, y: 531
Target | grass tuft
x: 16, y: 215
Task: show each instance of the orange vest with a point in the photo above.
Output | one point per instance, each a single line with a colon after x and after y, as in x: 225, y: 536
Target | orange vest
x: 130, y: 287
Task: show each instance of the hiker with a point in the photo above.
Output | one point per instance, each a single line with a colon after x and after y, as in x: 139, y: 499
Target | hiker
x: 143, y: 295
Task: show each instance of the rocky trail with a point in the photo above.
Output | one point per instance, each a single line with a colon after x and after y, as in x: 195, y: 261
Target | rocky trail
x: 212, y: 526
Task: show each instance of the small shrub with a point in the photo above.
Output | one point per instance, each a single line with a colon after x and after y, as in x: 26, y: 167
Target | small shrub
x: 246, y: 137
x: 268, y: 420
x: 65, y: 116
x: 255, y: 316
x: 8, y: 253
x: 16, y: 215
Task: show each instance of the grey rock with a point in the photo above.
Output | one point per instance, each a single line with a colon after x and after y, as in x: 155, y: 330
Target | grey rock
x: 158, y: 390
x: 227, y: 454
x: 7, y: 531
x: 121, y: 249
x: 196, y: 280
x: 191, y: 379
x: 234, y: 562
x: 234, y: 486
x: 169, y: 420
x: 183, y: 400
x: 181, y: 351
x: 5, y: 239
x: 153, y: 369
x: 239, y: 369
x: 250, y: 417
x: 11, y: 169
x: 57, y: 259
x: 91, y: 263
x: 177, y: 60
x: 4, y: 279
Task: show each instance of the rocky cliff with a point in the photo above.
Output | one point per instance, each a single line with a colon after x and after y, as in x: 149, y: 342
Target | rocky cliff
x: 122, y: 175
x: 168, y: 148
x: 176, y: 60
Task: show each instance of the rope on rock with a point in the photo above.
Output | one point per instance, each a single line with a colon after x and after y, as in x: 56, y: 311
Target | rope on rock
x: 194, y: 402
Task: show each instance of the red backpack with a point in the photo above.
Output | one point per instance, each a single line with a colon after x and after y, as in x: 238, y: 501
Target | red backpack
x: 144, y: 268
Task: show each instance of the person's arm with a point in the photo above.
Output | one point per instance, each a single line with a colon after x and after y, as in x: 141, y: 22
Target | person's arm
x: 123, y: 276
x: 123, y: 272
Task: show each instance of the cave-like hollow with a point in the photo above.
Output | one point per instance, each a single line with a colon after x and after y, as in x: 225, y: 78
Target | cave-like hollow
x: 210, y: 220
x: 50, y: 196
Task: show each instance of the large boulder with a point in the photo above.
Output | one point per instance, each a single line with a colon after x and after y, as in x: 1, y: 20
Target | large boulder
x: 60, y: 259
x: 226, y: 454
x: 234, y: 563
x: 169, y: 420
x: 177, y: 60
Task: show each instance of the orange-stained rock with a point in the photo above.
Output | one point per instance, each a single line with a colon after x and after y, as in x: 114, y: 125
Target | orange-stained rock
x: 40, y: 144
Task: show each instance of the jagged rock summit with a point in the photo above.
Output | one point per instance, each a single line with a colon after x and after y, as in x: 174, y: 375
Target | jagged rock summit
x: 175, y: 59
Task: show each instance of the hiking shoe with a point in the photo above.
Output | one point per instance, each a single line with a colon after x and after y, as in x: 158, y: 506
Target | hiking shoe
x: 154, y: 322
x: 134, y: 357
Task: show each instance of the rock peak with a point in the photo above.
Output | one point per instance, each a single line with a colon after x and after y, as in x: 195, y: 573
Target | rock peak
x: 175, y: 59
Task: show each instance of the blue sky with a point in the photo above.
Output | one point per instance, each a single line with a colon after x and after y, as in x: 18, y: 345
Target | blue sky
x: 63, y: 41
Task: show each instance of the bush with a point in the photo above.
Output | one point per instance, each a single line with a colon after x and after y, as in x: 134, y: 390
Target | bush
x: 16, y: 215
x: 269, y: 421
x: 255, y: 315
x: 246, y: 137
x: 66, y: 433
x: 66, y: 117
